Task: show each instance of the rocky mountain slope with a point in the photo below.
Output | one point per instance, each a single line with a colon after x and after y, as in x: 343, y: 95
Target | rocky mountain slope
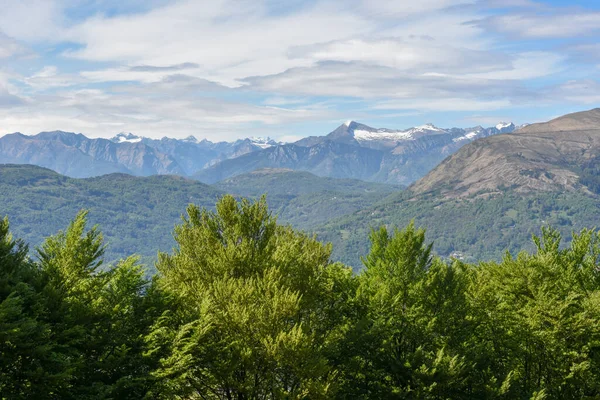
x: 560, y: 155
x: 358, y: 151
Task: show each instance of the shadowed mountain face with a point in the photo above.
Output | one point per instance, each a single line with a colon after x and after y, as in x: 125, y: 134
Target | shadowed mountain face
x: 358, y: 151
x: 78, y: 156
x: 331, y: 159
x: 560, y: 155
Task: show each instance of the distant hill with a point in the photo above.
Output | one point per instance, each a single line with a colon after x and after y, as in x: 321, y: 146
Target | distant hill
x: 193, y: 155
x: 137, y: 214
x: 306, y: 200
x: 330, y: 159
x: 560, y: 155
x: 78, y: 156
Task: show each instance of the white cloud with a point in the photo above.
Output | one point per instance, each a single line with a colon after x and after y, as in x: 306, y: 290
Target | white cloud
x: 398, y: 9
x: 219, y: 36
x: 544, y: 25
x: 445, y: 104
x: 166, y: 67
x: 11, y: 48
x: 418, y: 54
x: 154, y: 110
x: 585, y: 92
x: 527, y: 65
x: 32, y: 20
x: 367, y: 81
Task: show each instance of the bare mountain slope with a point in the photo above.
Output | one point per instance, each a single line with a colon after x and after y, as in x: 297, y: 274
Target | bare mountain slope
x: 562, y: 154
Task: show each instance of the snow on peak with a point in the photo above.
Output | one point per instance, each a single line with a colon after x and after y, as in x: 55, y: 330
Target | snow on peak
x: 394, y: 135
x: 262, y: 142
x: 347, y: 123
x: 381, y: 134
x: 503, y: 125
x: 126, y: 138
x: 470, y: 134
x: 426, y: 127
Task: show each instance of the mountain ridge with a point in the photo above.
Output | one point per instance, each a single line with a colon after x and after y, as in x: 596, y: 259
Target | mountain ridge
x: 561, y: 154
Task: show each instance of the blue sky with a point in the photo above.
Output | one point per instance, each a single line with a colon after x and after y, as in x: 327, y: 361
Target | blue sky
x: 224, y: 69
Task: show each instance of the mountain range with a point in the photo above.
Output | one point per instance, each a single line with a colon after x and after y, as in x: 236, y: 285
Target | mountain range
x: 487, y: 197
x: 353, y: 150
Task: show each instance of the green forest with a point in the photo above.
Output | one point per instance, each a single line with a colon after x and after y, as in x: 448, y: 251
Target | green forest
x: 244, y: 307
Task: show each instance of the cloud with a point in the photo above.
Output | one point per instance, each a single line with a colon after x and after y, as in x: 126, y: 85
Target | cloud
x: 528, y: 65
x: 360, y: 80
x: 167, y: 68
x: 232, y: 68
x: 543, y: 25
x: 154, y: 110
x: 399, y: 9
x: 9, y: 100
x: 585, y: 92
x: 413, y: 54
x: 11, y: 48
x: 32, y: 20
x: 445, y: 104
x: 228, y: 38
x: 585, y: 52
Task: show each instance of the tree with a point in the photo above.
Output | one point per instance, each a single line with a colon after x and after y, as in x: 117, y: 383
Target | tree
x: 539, y: 318
x: 256, y: 307
x: 29, y: 366
x: 414, y: 321
x: 97, y: 317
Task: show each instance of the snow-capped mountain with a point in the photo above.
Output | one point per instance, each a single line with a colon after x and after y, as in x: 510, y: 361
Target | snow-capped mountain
x: 353, y: 150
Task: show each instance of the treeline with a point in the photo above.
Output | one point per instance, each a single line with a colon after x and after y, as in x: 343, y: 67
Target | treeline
x: 245, y: 308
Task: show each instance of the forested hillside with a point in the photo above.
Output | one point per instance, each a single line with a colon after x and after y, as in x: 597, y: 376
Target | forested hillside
x: 137, y: 214
x: 477, y: 228
x: 245, y: 308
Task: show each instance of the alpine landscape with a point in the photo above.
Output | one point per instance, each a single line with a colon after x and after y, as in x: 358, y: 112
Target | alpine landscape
x: 299, y: 200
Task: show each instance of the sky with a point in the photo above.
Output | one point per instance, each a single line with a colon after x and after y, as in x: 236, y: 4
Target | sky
x: 226, y: 69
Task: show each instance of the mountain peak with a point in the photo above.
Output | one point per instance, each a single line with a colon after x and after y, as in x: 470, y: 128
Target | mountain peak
x: 191, y: 139
x: 427, y: 127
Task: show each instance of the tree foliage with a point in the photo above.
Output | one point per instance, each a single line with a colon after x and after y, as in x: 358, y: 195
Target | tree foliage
x: 246, y: 308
